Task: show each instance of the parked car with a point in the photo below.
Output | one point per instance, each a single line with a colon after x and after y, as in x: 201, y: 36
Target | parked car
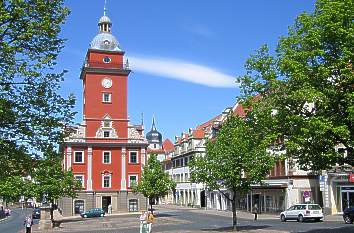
x: 348, y: 215
x: 302, y: 212
x: 36, y: 214
x: 94, y: 212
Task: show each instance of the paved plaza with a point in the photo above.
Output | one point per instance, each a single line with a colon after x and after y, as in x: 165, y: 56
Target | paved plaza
x: 174, y: 219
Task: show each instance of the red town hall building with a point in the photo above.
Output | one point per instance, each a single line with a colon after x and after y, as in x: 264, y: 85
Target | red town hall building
x: 105, y: 152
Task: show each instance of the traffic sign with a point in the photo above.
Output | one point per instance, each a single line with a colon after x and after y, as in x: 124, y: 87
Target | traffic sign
x: 307, y: 194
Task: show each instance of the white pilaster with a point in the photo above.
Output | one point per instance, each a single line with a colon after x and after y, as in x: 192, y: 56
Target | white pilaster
x: 68, y: 156
x: 286, y: 167
x: 197, y: 198
x: 143, y: 155
x: 89, y: 168
x: 123, y: 182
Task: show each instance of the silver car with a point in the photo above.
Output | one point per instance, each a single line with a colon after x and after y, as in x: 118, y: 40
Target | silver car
x: 302, y: 212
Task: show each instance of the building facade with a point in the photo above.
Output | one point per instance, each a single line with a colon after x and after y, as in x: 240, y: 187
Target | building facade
x: 285, y: 185
x: 105, y: 152
x: 186, y: 147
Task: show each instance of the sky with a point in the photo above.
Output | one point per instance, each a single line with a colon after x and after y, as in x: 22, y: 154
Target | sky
x: 184, y: 54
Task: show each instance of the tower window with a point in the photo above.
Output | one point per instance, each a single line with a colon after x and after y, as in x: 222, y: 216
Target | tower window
x: 106, y: 97
x: 107, y: 59
x: 106, y: 134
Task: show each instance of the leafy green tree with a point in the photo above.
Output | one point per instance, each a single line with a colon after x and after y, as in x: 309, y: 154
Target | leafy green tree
x: 52, y: 180
x: 236, y: 159
x: 155, y: 182
x: 32, y: 112
x: 308, y: 85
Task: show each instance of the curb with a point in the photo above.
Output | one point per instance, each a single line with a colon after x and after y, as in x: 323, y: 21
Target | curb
x: 4, y: 219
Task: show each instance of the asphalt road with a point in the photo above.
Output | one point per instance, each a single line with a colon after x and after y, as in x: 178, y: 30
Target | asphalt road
x: 14, y: 223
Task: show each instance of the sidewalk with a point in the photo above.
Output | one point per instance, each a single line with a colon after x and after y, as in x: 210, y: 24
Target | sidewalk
x: 241, y: 214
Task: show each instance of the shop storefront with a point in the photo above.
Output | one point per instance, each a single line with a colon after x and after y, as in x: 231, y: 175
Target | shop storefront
x: 339, y: 192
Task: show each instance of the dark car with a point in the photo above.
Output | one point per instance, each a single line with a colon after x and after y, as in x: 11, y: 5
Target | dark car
x: 348, y: 215
x: 36, y: 214
x: 94, y: 212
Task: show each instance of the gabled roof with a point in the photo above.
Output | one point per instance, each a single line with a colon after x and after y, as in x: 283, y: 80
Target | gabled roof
x: 167, y: 145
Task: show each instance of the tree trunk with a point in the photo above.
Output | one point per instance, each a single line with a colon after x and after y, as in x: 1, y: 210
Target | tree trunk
x: 150, y: 200
x: 234, y: 218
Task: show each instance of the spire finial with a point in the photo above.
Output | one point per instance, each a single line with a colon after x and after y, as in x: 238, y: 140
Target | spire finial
x: 142, y: 118
x: 104, y: 7
x: 153, y: 127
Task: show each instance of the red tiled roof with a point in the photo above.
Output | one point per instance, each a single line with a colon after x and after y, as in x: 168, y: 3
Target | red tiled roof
x: 208, y: 123
x: 157, y: 151
x: 167, y: 145
x: 239, y: 110
x: 198, y: 133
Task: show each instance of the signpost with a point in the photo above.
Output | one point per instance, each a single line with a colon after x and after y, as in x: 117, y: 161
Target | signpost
x: 322, y: 183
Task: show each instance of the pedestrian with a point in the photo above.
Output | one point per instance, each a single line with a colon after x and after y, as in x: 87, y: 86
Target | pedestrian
x: 150, y: 221
x: 143, y: 224
x: 28, y: 224
x: 110, y: 208
x: 255, y: 211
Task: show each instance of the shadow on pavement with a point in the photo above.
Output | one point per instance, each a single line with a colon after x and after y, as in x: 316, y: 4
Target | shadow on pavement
x: 239, y: 228
x: 344, y: 229
x: 165, y: 215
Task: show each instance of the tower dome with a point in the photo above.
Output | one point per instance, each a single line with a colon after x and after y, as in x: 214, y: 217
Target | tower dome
x: 154, y: 136
x: 104, y: 40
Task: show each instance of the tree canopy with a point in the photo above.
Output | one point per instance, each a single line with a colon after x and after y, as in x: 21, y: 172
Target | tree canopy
x: 308, y: 86
x: 32, y: 112
x: 155, y: 182
x: 236, y: 159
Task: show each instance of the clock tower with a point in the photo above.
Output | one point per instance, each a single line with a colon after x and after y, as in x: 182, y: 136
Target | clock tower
x: 105, y: 152
x: 105, y: 79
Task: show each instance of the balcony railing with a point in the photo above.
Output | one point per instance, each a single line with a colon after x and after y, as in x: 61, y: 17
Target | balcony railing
x: 112, y: 65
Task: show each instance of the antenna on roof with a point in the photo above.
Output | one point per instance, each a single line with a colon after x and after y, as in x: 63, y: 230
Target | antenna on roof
x: 104, y: 7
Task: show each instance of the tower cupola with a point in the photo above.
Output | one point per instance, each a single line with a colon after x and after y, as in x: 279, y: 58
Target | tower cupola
x: 104, y: 40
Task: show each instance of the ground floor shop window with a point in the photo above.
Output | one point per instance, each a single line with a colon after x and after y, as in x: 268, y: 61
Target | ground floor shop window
x: 133, y: 205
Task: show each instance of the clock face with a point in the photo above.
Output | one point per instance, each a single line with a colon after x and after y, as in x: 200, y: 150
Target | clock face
x: 106, y: 82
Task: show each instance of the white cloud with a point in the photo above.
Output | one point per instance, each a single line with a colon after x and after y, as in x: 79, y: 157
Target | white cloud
x: 182, y: 70
x: 199, y: 30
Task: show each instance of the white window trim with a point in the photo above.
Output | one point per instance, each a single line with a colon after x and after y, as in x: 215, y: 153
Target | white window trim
x: 110, y: 180
x: 110, y: 157
x: 83, y: 178
x: 110, y: 97
x: 83, y: 156
x: 137, y: 179
x: 137, y: 156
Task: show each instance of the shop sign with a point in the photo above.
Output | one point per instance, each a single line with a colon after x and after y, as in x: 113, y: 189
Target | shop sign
x: 351, y: 177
